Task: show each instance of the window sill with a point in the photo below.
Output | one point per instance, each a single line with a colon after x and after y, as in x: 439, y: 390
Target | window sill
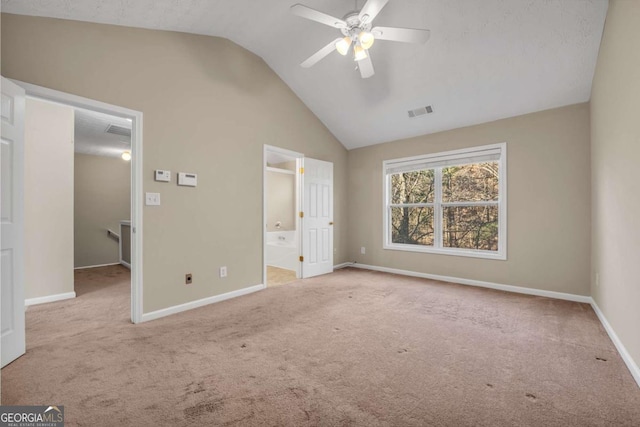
x: 442, y: 251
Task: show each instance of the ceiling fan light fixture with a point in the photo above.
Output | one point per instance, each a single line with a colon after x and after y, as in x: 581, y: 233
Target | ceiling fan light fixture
x: 359, y: 53
x: 343, y: 46
x: 366, y: 39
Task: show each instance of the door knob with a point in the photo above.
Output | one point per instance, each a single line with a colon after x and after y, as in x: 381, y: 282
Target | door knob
x: 331, y: 223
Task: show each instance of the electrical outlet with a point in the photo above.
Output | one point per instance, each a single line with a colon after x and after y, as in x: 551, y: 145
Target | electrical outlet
x: 188, y: 279
x: 223, y: 271
x: 363, y: 250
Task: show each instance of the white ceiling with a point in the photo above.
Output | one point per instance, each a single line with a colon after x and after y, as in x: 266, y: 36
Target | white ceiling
x: 91, y: 136
x: 486, y: 59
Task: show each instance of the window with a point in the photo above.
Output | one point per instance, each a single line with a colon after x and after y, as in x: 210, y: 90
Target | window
x: 450, y: 203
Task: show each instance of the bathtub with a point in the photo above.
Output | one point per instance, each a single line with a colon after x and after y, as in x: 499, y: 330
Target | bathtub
x: 282, y: 250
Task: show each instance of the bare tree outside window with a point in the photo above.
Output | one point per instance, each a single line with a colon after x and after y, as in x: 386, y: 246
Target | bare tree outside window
x: 473, y: 226
x: 468, y: 205
x: 412, y: 224
x: 451, y: 202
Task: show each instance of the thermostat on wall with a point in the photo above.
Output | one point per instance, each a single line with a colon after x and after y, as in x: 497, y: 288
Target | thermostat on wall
x: 187, y: 179
x: 164, y: 176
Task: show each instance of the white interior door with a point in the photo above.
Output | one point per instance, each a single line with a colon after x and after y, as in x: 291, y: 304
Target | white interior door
x: 317, y: 219
x: 11, y: 234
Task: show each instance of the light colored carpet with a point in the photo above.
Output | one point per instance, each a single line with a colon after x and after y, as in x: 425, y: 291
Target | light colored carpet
x: 279, y: 276
x: 351, y: 348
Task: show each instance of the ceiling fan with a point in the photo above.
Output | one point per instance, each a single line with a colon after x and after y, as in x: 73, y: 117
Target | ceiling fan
x: 357, y: 30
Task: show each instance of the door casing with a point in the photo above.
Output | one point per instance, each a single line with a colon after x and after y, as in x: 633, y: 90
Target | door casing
x: 294, y: 155
x: 300, y: 158
x: 137, y: 196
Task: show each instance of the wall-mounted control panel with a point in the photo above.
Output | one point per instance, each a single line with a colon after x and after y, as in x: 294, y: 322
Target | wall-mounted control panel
x: 187, y: 179
x: 163, y: 176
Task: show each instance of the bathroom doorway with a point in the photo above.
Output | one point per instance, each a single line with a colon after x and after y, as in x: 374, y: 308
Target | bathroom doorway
x: 281, y: 216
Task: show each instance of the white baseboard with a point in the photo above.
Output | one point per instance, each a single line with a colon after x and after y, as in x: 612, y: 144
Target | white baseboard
x: 343, y: 265
x: 49, y: 298
x: 126, y: 264
x: 628, y: 360
x: 199, y: 303
x: 96, y: 266
x: 490, y: 285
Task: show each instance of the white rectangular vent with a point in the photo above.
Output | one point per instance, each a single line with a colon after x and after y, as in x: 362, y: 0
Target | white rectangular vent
x: 118, y: 130
x: 420, y: 111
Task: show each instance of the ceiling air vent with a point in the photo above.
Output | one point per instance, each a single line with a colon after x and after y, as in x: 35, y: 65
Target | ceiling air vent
x: 420, y: 111
x: 118, y: 130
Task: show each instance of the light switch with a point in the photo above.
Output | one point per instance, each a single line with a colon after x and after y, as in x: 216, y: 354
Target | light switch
x: 163, y: 176
x: 152, y: 199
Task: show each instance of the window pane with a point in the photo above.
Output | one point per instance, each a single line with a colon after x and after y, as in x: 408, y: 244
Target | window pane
x: 412, y: 226
x: 412, y: 187
x: 470, y: 183
x: 470, y: 227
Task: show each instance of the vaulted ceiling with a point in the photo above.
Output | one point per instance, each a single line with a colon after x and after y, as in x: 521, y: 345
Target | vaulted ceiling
x: 486, y: 59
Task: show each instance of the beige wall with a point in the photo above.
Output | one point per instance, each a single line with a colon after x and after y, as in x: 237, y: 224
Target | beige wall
x: 209, y: 107
x: 615, y: 145
x: 548, y: 202
x: 48, y: 199
x: 102, y: 200
x: 281, y: 200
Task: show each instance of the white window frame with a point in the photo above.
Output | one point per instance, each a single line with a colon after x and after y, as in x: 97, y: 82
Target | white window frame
x: 431, y: 161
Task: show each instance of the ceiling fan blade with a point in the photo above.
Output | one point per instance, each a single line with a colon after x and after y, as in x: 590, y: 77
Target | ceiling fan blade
x: 313, y: 59
x: 371, y: 9
x: 406, y: 35
x: 314, y: 15
x: 366, y: 67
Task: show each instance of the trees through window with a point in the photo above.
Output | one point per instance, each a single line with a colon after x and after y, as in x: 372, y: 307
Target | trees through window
x: 450, y: 202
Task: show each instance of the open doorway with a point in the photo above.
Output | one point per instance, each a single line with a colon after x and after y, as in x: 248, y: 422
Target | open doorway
x: 282, y: 221
x: 298, y: 216
x: 102, y: 208
x: 102, y: 172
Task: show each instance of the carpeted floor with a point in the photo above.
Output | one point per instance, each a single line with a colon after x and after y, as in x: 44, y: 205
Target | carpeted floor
x: 279, y: 276
x: 351, y: 348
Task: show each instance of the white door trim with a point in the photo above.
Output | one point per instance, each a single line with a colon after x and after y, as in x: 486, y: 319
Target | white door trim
x: 136, y: 175
x: 272, y: 149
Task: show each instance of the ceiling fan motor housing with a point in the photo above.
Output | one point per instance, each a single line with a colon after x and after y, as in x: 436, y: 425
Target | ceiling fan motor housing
x: 354, y: 25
